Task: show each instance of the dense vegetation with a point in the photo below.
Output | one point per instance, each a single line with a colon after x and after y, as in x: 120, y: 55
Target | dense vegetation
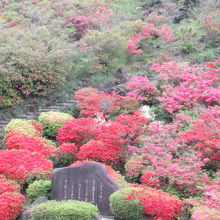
x: 159, y: 137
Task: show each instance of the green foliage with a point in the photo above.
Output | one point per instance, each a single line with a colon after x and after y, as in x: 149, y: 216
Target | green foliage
x: 39, y: 188
x: 125, y: 208
x: 23, y: 126
x: 63, y: 160
x: 64, y: 210
x: 108, y: 48
x: 52, y: 121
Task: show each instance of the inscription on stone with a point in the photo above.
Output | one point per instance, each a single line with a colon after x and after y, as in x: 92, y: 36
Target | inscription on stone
x: 88, y: 182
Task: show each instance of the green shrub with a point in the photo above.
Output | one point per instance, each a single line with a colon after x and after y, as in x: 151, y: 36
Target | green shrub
x: 125, y: 208
x: 39, y: 188
x: 29, y: 127
x: 64, y: 210
x: 52, y: 121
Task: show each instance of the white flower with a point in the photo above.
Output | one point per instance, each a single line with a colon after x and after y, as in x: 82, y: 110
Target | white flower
x: 147, y: 112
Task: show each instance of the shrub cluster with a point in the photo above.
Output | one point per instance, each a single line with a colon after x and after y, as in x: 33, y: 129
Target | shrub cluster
x: 135, y: 201
x: 10, y: 199
x: 64, y: 210
x: 39, y: 188
x: 52, y: 121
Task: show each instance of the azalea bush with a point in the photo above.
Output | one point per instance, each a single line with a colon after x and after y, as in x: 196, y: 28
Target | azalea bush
x: 185, y: 86
x: 204, y: 136
x: 139, y: 200
x: 19, y: 141
x: 162, y: 161
x: 22, y: 164
x: 146, y: 32
x: 10, y: 198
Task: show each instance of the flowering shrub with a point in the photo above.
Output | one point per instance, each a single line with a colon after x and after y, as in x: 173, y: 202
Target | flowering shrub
x: 164, y: 155
x: 8, y: 185
x: 20, y: 141
x: 78, y: 131
x: 10, y: 198
x: 28, y: 127
x: 94, y: 16
x: 155, y: 203
x: 21, y: 164
x: 208, y: 206
x: 141, y: 88
x: 204, y: 135
x: 210, y: 23
x: 68, y: 148
x: 100, y: 152
x: 95, y: 103
x: 185, y: 86
x: 134, y: 125
x: 147, y: 30
x: 11, y: 205
x: 52, y: 121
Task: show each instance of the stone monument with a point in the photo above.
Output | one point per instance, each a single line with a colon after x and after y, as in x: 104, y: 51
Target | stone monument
x: 88, y: 182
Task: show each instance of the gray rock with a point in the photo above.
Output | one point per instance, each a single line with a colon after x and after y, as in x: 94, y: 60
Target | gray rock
x: 39, y: 200
x: 88, y: 182
x: 26, y: 214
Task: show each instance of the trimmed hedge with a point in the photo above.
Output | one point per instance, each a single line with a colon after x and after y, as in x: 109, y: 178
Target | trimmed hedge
x: 52, y: 121
x: 39, y: 188
x: 125, y: 208
x: 64, y: 210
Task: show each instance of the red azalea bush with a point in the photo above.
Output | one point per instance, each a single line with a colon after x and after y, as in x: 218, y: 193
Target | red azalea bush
x: 141, y: 88
x: 94, y: 15
x: 148, y: 30
x: 78, y: 131
x: 10, y: 199
x: 134, y: 125
x: 156, y: 204
x: 11, y: 205
x: 68, y: 148
x: 19, y: 141
x: 8, y: 185
x: 204, y: 135
x: 95, y: 103
x: 21, y: 164
x: 100, y: 152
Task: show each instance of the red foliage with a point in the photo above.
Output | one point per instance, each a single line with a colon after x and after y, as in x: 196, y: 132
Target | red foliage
x: 82, y: 23
x: 147, y: 30
x: 95, y: 103
x: 185, y: 86
x: 78, y: 131
x: 20, y: 164
x: 20, y: 141
x: 100, y: 152
x: 10, y: 199
x: 134, y: 125
x: 8, y: 185
x: 204, y: 135
x: 147, y: 179
x: 141, y: 88
x: 157, y: 204
x: 11, y: 205
x: 68, y: 148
